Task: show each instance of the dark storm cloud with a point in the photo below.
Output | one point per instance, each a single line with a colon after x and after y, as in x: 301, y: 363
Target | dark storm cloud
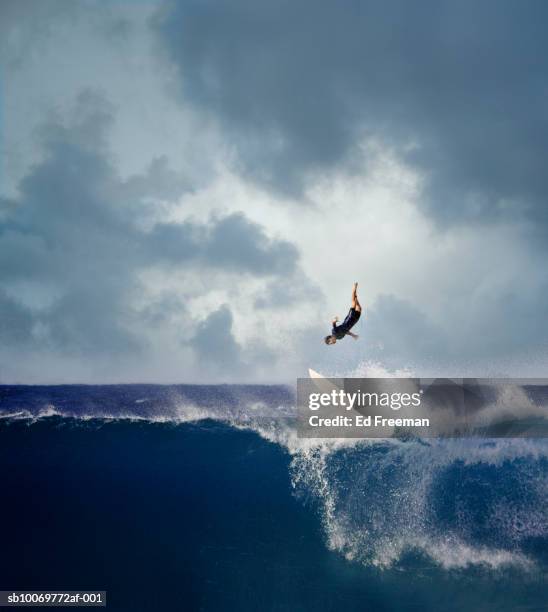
x: 232, y: 243
x: 72, y: 243
x: 218, y: 351
x: 214, y: 343
x: 159, y: 182
x: 296, y: 85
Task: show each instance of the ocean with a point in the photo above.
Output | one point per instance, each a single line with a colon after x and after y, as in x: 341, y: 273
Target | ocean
x: 203, y: 498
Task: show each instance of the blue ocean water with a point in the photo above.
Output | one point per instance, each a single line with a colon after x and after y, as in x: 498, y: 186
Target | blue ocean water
x: 204, y: 498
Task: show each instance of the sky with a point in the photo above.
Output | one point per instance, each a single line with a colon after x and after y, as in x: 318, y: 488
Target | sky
x: 188, y: 189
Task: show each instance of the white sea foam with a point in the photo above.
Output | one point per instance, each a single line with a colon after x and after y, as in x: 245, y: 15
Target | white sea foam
x: 450, y: 553
x: 16, y: 415
x: 369, y: 521
x: 378, y: 528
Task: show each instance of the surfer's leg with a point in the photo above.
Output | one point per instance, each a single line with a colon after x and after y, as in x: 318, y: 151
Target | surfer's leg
x: 355, y: 303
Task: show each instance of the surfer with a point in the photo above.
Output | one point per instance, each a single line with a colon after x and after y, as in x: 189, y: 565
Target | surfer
x: 338, y: 332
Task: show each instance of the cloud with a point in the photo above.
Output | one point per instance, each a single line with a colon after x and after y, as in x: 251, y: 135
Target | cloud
x: 410, y: 141
x: 26, y: 27
x: 215, y: 345
x: 159, y: 182
x: 282, y: 293
x: 504, y: 326
x: 399, y: 333
x: 231, y: 242
x: 75, y: 242
x: 457, y: 89
x: 15, y: 321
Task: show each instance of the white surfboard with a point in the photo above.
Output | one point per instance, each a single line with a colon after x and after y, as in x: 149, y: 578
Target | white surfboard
x: 323, y: 384
x: 313, y: 374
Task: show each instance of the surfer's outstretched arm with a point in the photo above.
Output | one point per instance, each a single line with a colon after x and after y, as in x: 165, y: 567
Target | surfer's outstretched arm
x: 355, y: 336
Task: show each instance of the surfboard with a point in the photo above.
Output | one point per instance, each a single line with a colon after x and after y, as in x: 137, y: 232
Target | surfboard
x: 313, y: 374
x: 323, y: 384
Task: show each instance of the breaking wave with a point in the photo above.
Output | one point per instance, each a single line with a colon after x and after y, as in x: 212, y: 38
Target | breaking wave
x: 456, y: 502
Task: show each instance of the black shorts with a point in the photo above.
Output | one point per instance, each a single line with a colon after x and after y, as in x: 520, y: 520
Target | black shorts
x: 351, y: 319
